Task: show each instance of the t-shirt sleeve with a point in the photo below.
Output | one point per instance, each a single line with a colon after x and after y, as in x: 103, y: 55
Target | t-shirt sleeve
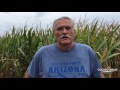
x: 95, y: 65
x: 33, y: 68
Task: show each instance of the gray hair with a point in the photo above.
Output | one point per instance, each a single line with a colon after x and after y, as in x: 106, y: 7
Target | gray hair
x: 62, y: 18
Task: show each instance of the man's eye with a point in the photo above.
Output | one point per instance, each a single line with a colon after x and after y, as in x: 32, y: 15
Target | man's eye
x: 67, y: 28
x: 59, y: 29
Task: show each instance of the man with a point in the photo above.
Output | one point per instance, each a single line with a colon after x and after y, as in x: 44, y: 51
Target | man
x: 65, y: 58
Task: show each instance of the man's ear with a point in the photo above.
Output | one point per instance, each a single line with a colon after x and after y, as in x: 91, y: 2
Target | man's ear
x: 53, y: 32
x: 54, y: 36
x: 74, y: 32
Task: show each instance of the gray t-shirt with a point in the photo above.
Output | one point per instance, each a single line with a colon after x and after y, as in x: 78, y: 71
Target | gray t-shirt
x: 79, y: 62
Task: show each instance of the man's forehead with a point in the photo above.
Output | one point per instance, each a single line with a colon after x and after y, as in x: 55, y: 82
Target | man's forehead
x: 63, y: 23
x: 65, y: 20
x: 64, y: 26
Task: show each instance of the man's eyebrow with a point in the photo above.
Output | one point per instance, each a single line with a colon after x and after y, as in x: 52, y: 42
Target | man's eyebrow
x: 64, y: 26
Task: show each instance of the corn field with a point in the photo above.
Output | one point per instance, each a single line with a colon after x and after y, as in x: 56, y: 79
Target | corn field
x: 18, y: 47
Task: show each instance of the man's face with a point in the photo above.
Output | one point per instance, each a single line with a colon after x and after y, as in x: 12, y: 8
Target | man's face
x: 64, y: 32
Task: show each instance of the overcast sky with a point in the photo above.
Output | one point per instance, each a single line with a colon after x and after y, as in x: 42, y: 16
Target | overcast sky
x: 33, y: 19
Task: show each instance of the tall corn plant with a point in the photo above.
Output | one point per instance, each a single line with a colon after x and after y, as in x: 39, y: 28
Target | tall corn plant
x: 18, y: 47
x: 21, y: 45
x: 104, y: 39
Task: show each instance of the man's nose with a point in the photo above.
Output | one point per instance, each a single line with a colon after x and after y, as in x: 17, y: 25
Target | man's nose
x: 64, y: 30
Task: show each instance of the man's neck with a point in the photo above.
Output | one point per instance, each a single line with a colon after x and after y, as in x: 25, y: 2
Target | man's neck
x: 65, y: 47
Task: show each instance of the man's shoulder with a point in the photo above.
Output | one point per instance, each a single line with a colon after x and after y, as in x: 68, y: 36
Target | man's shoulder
x: 83, y: 45
x: 46, y: 47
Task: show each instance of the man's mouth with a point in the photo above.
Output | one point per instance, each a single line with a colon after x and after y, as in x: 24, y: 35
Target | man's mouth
x: 65, y: 36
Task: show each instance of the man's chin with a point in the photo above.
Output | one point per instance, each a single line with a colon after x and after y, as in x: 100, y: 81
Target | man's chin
x: 65, y: 43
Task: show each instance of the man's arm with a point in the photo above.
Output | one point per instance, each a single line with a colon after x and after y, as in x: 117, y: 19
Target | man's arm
x: 26, y: 75
x: 102, y: 75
